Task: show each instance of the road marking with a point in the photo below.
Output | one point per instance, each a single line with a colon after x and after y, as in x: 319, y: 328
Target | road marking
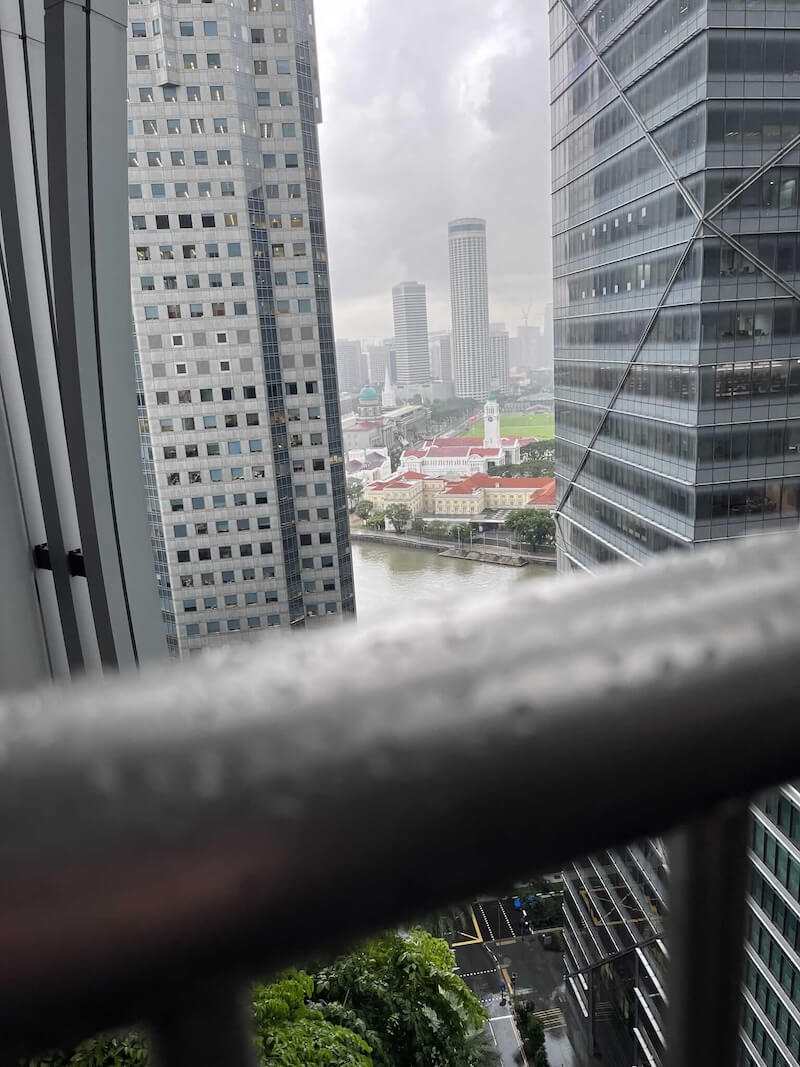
x: 505, y: 916
x: 474, y: 974
x: 486, y: 921
x: 508, y: 941
x: 498, y: 1018
x: 477, y: 940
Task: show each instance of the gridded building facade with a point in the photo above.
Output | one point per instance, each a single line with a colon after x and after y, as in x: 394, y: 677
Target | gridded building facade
x: 232, y: 314
x: 410, y: 311
x: 469, y: 307
x: 676, y: 163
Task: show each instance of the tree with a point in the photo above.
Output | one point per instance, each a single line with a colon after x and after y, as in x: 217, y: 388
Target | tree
x: 404, y: 988
x: 395, y: 452
x: 395, y: 1002
x: 290, y: 1032
x: 364, y: 509
x: 537, y: 460
x: 103, y: 1050
x: 354, y: 494
x: 534, y: 526
x: 418, y: 525
x: 399, y: 515
x: 437, y: 528
x: 462, y: 533
x: 531, y: 1031
x: 376, y: 521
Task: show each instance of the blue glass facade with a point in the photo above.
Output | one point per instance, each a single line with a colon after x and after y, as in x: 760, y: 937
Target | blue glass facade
x: 676, y: 250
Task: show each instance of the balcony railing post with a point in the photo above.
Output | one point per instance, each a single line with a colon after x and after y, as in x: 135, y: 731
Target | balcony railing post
x: 705, y: 934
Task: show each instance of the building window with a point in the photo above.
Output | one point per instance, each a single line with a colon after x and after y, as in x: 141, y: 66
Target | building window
x: 193, y: 93
x: 291, y: 159
x: 189, y: 61
x: 142, y: 62
x: 214, y: 62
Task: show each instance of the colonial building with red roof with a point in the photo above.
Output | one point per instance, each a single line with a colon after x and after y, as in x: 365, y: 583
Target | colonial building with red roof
x: 479, y: 497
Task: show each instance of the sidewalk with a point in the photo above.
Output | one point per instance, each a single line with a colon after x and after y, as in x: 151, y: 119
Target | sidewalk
x: 434, y: 544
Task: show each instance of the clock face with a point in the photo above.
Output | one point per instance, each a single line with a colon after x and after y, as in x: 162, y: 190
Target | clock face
x: 490, y: 418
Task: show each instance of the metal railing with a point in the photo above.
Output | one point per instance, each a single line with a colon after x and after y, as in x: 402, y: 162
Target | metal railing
x: 175, y: 829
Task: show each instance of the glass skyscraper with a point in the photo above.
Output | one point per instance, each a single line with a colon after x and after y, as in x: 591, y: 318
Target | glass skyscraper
x: 675, y: 165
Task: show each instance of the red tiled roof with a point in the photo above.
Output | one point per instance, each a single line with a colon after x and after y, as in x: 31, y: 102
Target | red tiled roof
x: 546, y: 495
x: 545, y: 487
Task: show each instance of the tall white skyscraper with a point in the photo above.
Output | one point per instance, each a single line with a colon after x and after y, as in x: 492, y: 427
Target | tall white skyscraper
x: 233, y: 317
x: 411, y: 333
x: 469, y: 307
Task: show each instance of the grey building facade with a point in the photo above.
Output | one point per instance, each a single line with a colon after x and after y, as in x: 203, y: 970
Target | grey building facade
x: 676, y: 128
x: 499, y: 358
x: 233, y: 317
x: 410, y: 315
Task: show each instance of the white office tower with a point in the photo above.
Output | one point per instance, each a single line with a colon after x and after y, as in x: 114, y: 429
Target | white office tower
x: 409, y: 305
x: 469, y: 307
x: 232, y: 315
x: 499, y: 363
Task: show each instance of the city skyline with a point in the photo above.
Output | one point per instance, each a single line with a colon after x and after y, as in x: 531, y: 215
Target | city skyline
x: 456, y: 123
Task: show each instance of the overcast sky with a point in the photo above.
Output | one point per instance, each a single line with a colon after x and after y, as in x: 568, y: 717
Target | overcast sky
x: 433, y: 109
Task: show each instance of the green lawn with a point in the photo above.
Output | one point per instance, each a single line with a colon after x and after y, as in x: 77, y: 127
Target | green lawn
x: 541, y: 426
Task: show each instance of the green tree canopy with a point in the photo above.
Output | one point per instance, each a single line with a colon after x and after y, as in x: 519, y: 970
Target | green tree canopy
x: 292, y: 1033
x: 355, y: 491
x: 394, y: 1002
x: 399, y: 515
x: 376, y: 521
x: 405, y: 989
x: 364, y: 509
x: 534, y: 526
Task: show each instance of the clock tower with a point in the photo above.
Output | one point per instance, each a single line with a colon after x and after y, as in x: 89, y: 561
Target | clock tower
x: 491, y: 423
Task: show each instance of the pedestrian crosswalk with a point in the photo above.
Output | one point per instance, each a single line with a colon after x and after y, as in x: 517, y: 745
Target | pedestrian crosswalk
x: 551, y: 1019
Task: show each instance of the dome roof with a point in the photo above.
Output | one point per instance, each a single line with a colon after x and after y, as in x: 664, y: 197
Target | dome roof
x: 367, y: 394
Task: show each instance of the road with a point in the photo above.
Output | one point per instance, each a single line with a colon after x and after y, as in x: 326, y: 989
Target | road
x: 493, y: 958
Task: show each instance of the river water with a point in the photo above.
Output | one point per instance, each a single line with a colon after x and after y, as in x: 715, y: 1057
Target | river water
x: 391, y: 581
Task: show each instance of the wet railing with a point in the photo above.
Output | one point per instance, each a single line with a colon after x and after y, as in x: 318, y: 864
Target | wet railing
x: 168, y: 834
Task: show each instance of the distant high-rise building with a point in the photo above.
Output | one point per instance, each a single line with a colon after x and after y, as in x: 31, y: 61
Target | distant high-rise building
x: 469, y: 306
x: 349, y: 358
x: 446, y: 358
x: 677, y: 336
x: 441, y: 358
x: 377, y: 362
x: 232, y: 314
x: 409, y: 306
x: 498, y: 355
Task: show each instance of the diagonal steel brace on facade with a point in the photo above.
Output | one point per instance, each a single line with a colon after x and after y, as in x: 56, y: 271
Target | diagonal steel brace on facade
x: 705, y: 221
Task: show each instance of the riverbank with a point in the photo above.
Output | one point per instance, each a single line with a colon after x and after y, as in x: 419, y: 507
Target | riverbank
x: 495, y: 554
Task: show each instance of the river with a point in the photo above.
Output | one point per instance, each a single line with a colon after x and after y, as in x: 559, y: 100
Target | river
x: 390, y: 580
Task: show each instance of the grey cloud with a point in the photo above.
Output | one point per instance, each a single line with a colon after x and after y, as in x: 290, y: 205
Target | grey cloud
x: 422, y: 125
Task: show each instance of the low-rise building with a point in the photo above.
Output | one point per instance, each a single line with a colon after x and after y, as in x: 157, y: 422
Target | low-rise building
x: 478, y: 498
x: 367, y: 465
